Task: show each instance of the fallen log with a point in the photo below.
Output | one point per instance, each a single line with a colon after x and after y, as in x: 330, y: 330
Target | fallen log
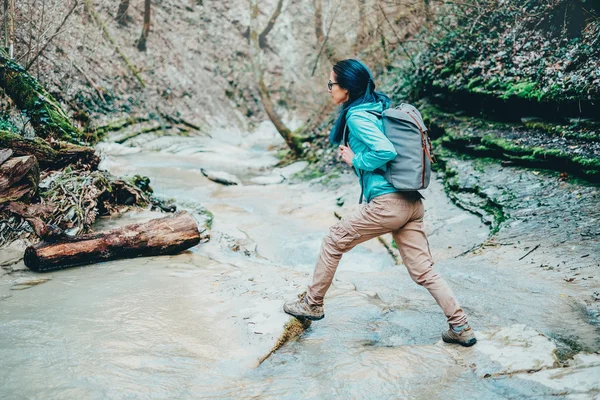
x: 19, y: 178
x: 168, y: 235
x: 55, y: 156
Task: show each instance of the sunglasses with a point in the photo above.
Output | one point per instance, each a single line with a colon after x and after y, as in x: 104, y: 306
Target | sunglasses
x: 330, y: 85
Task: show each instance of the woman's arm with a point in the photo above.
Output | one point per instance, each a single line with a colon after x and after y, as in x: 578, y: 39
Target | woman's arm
x: 380, y: 149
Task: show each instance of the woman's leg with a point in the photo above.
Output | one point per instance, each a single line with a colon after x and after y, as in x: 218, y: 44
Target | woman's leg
x: 412, y: 242
x: 382, y: 215
x: 342, y: 237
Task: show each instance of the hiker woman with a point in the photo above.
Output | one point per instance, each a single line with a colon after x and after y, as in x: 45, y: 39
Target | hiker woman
x: 387, y: 209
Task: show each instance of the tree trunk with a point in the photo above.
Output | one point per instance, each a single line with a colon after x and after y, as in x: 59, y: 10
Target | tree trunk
x: 428, y: 14
x: 11, y: 28
x: 5, y: 24
x: 45, y: 113
x: 262, y: 38
x: 56, y: 157
x: 265, y: 97
x: 322, y: 39
x: 361, y: 34
x: 168, y: 235
x: 122, y: 16
x: 19, y: 179
x: 146, y: 29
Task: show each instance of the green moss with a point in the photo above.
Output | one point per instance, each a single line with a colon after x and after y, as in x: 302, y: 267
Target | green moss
x: 474, y: 82
x: 142, y: 182
x: 282, y: 153
x: 590, y: 163
x: 310, y: 173
x: 7, y: 125
x: 525, y: 90
x: 45, y: 113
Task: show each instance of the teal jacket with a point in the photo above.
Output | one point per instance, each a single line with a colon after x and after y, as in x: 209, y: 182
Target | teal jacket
x: 372, y: 150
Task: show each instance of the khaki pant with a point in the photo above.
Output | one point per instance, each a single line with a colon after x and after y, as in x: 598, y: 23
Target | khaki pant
x: 402, y: 215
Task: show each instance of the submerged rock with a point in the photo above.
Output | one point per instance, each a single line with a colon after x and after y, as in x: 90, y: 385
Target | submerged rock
x: 222, y: 177
x: 268, y: 180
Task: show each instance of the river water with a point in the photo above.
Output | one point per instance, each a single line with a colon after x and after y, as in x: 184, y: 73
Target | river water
x: 195, y: 325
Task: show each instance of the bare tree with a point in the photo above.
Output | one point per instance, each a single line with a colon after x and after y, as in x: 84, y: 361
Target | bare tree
x: 255, y: 56
x: 56, y: 33
x: 5, y: 24
x: 9, y: 27
x: 122, y: 16
x: 262, y: 38
x: 361, y: 34
x: 323, y: 38
x: 428, y: 14
x: 141, y: 45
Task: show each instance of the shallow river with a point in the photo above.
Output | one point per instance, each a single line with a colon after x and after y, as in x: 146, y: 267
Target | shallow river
x: 195, y: 325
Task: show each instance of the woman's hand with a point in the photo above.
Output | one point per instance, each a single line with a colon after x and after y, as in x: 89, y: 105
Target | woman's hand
x: 347, y: 154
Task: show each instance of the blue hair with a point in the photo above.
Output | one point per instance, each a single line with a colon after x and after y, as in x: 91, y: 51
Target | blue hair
x: 355, y: 77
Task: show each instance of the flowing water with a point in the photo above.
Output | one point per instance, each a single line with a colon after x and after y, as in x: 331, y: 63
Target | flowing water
x: 194, y: 325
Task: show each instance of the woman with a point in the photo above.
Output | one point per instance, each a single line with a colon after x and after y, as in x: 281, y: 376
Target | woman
x: 387, y: 210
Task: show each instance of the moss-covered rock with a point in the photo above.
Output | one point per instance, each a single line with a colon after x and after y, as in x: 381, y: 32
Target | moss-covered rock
x: 514, y: 143
x: 537, y: 58
x: 45, y: 113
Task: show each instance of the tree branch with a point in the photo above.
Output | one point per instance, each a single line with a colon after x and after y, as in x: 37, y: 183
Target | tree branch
x: 56, y: 33
x: 262, y: 38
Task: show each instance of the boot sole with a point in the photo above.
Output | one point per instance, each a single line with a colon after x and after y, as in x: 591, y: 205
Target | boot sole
x: 309, y: 317
x: 469, y: 343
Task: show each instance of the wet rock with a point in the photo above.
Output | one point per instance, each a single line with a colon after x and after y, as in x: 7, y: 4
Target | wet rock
x: 116, y: 149
x: 579, y: 378
x: 29, y: 283
x: 292, y: 169
x: 268, y: 180
x: 371, y: 294
x: 222, y: 177
x: 508, y: 350
x: 344, y: 286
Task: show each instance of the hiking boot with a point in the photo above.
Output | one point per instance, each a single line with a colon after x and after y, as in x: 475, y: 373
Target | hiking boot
x: 464, y: 336
x: 301, y: 309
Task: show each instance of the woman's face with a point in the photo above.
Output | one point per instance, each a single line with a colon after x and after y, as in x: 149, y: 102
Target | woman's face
x: 338, y: 94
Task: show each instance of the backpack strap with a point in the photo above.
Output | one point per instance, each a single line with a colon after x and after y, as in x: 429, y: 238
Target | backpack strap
x: 345, y: 135
x: 375, y: 113
x: 423, y: 138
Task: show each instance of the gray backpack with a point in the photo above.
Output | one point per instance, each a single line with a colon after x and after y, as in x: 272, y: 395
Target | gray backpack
x: 404, y: 127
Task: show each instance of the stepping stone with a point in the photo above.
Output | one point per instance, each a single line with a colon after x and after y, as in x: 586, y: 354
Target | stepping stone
x: 508, y: 350
x: 222, y: 177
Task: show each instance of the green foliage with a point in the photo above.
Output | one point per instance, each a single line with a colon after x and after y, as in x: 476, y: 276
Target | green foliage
x: 7, y: 125
x: 539, y: 51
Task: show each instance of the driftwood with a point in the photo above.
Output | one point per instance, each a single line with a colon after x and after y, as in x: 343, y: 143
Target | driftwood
x: 55, y: 156
x: 168, y: 235
x: 35, y: 214
x: 19, y: 178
